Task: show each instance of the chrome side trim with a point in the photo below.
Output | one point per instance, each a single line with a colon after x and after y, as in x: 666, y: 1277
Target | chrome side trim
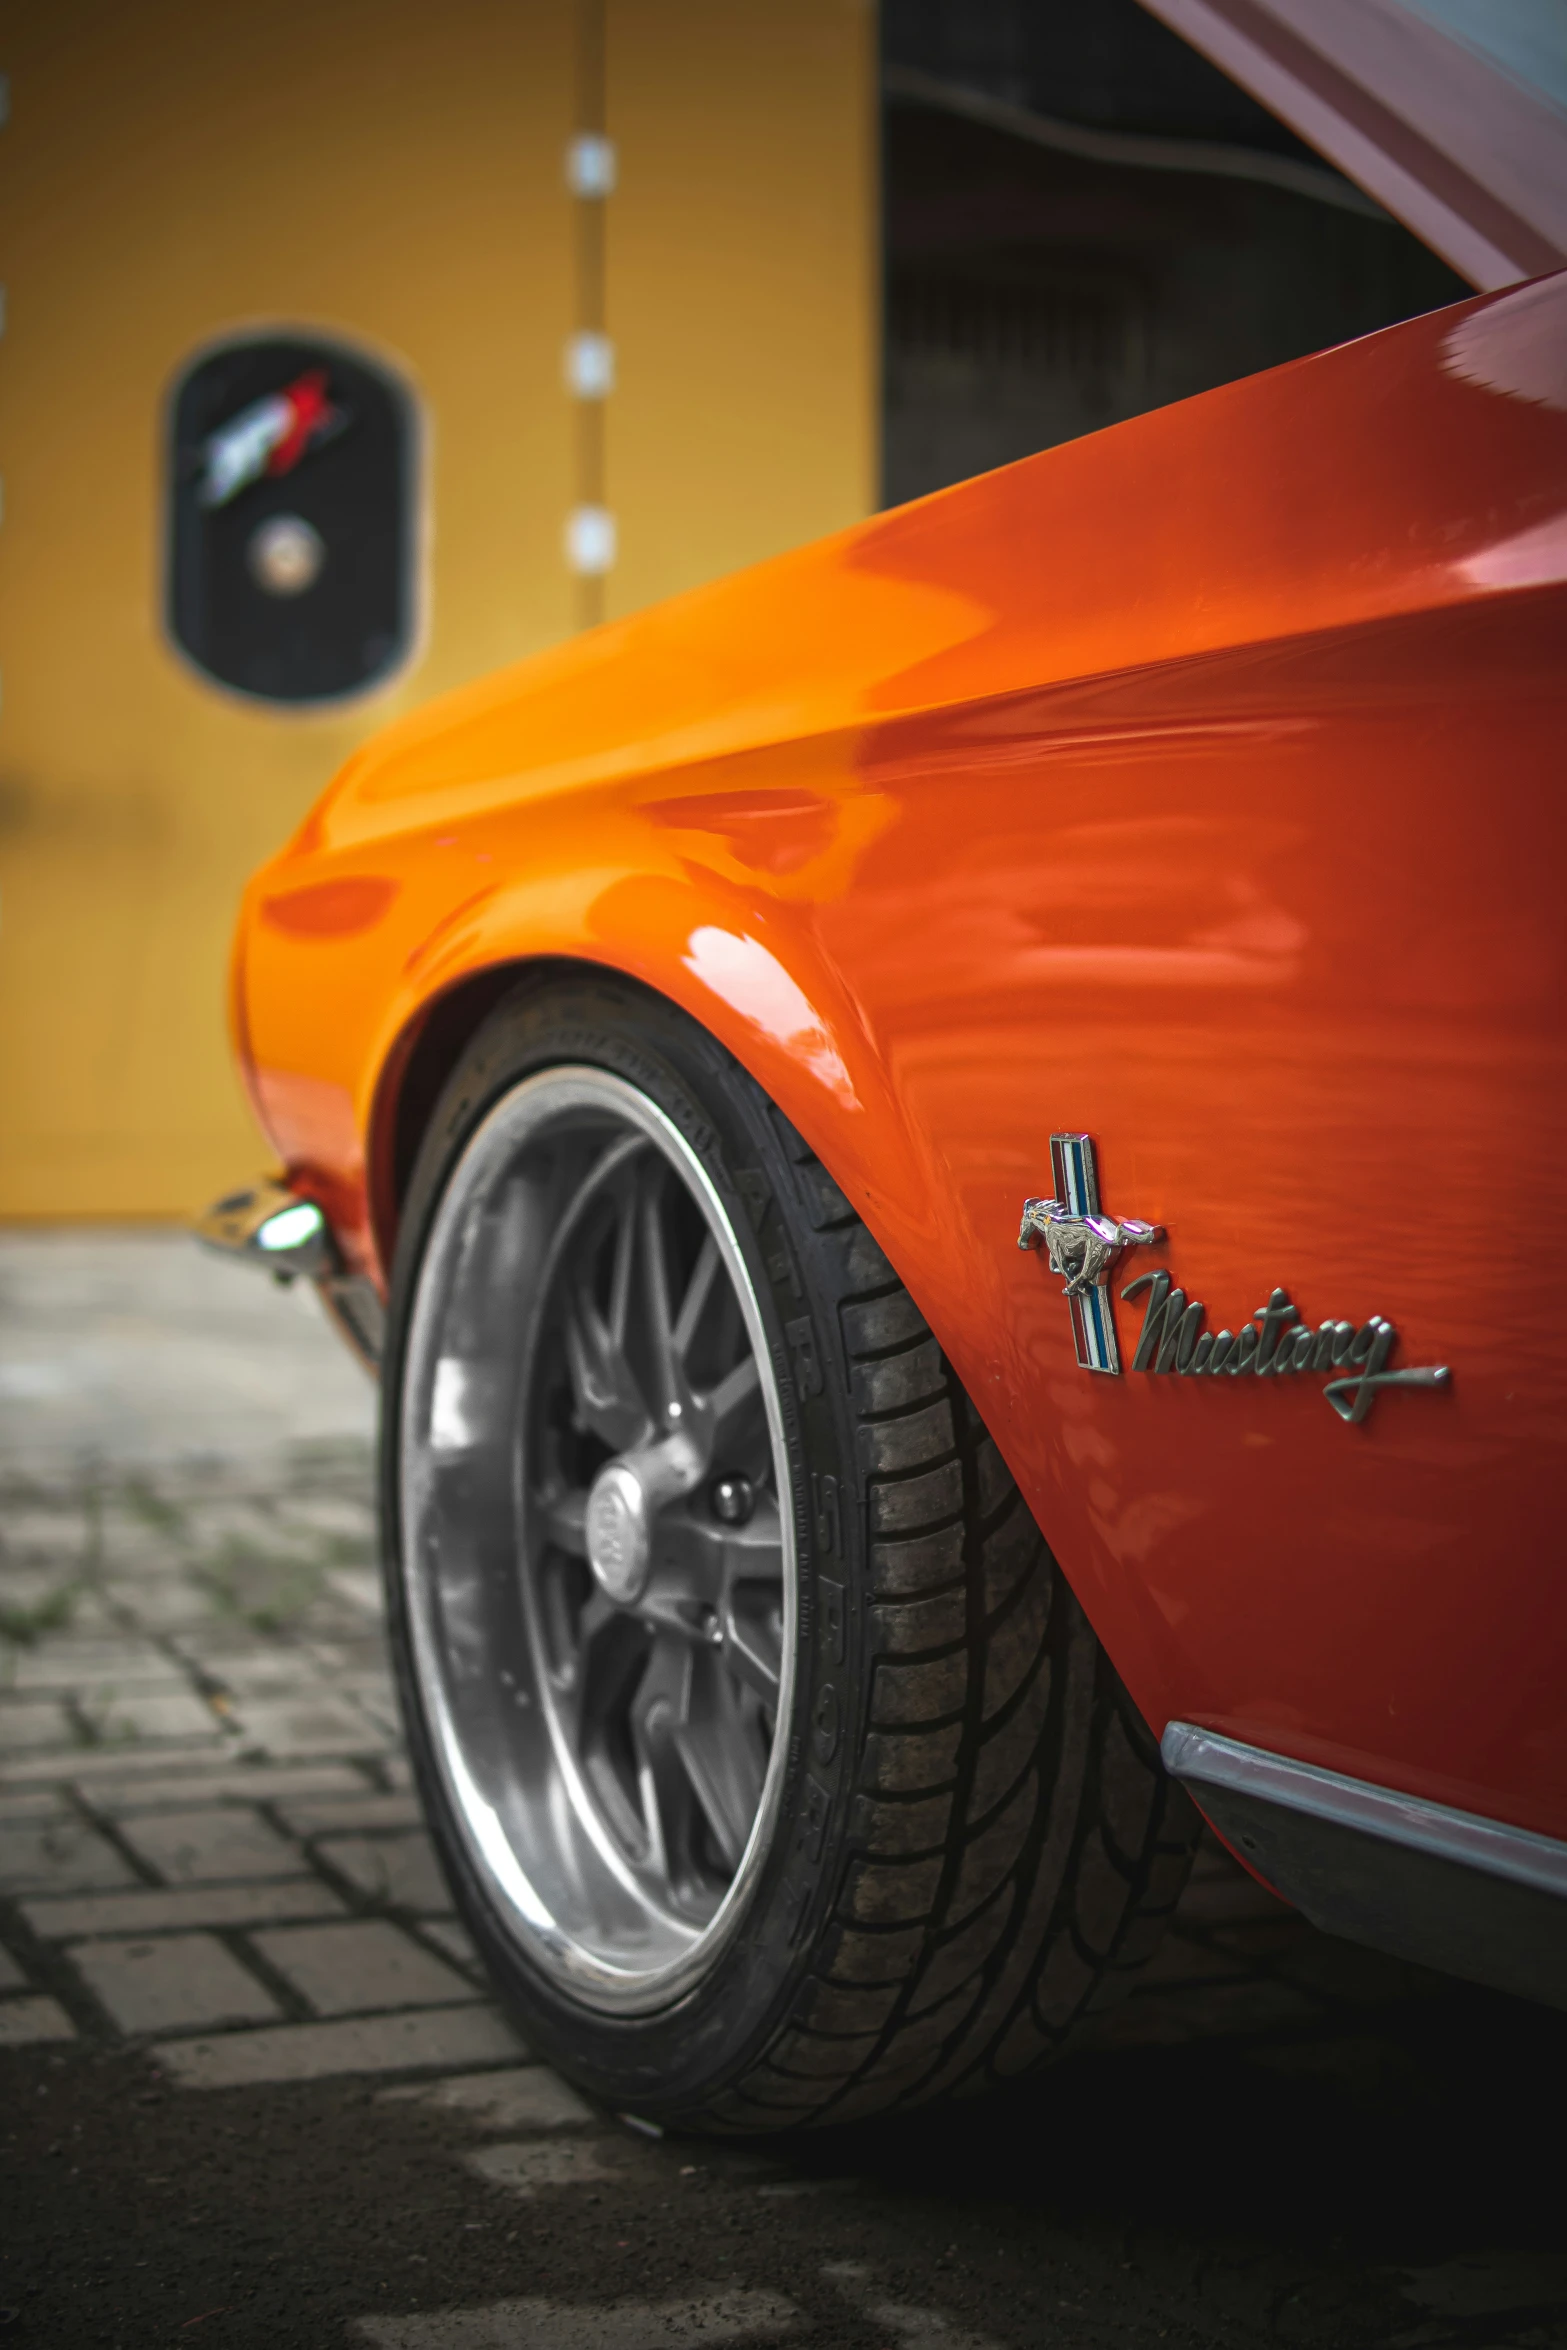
x: 1204, y: 1759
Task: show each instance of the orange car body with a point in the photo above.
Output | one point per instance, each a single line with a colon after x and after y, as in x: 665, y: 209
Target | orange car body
x: 1197, y: 786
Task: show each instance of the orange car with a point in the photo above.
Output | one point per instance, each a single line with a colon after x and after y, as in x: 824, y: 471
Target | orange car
x: 951, y: 1152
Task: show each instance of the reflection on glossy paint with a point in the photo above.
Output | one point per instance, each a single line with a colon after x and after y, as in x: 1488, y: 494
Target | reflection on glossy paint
x: 330, y: 909
x: 1530, y: 558
x: 1515, y: 345
x: 751, y: 980
x: 808, y: 844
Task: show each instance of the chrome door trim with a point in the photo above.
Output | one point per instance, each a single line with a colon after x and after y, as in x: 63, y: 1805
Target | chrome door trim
x: 1203, y: 1758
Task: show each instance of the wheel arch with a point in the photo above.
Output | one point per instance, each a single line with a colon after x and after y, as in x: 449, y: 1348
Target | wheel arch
x: 412, y: 1074
x: 756, y: 983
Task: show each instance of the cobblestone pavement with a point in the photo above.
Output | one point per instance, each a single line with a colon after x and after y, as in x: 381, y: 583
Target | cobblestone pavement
x: 253, y: 2083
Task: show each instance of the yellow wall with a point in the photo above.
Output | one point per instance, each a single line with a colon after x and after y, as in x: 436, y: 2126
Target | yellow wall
x: 390, y: 172
x: 742, y: 282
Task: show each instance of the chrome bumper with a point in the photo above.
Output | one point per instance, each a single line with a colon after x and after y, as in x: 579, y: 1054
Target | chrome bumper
x: 280, y: 1233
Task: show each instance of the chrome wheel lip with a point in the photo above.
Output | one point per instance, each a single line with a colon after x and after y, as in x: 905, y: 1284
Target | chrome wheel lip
x: 593, y: 1977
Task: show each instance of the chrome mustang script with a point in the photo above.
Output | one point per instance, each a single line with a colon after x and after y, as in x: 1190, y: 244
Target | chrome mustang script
x: 1085, y: 1246
x: 1274, y: 1344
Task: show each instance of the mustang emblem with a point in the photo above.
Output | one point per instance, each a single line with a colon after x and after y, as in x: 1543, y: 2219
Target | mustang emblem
x: 1083, y: 1245
x: 1085, y: 1248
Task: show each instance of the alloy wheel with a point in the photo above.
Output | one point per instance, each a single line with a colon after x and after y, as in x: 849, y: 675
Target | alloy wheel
x: 596, y: 1540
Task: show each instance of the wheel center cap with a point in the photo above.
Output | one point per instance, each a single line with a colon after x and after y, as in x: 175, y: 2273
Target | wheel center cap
x: 618, y: 1532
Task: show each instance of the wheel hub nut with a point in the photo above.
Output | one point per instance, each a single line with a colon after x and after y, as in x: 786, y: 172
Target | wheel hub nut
x: 617, y: 1532
x: 733, y: 1500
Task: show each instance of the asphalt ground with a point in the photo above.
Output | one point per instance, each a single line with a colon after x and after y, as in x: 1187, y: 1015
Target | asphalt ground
x: 254, y: 2089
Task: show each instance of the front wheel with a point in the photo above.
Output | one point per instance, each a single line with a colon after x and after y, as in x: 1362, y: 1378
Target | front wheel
x: 776, y: 1772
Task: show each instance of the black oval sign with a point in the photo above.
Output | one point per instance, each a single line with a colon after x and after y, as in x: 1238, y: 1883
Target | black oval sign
x: 291, y: 518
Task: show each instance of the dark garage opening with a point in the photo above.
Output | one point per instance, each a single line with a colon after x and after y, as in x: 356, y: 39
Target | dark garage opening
x: 1034, y: 293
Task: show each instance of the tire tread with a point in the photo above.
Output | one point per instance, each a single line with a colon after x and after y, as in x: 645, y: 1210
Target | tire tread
x: 1012, y: 1833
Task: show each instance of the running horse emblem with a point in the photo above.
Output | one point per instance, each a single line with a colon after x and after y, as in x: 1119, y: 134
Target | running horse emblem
x: 1083, y: 1245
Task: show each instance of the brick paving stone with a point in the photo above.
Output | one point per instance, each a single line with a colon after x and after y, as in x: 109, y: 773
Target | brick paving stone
x: 175, y: 1715
x: 238, y: 1783
x: 529, y: 2098
x: 214, y: 1523
x: 83, y: 1606
x: 381, y: 1708
x: 1489, y: 2284
x: 209, y: 1847
x: 67, y: 1603
x: 372, y: 1681
x: 350, y: 1653
x: 220, y: 1641
x: 44, y: 1533
x: 322, y: 1725
x: 11, y: 1975
x: 541, y: 2162
x: 59, y: 1856
x: 185, y: 1905
x: 330, y: 1513
x: 433, y: 2036
x: 691, y: 2323
x: 31, y: 1803
x: 366, y: 1963
x: 401, y: 1870
x: 45, y: 1601
x: 43, y: 1561
x: 316, y: 1816
x: 30, y: 1587
x: 360, y: 1588
x: 922, y: 2329
x: 24, y: 2022
x: 181, y: 1982
x: 457, y: 1943
x: 128, y: 1546
x: 79, y: 1664
x: 172, y: 1603
x: 279, y: 1676
x: 115, y: 1764
x: 26, y: 1723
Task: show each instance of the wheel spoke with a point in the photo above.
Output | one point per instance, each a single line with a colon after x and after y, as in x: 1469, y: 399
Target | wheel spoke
x: 750, y: 1613
x: 724, y: 1757
x: 562, y: 1518
x: 602, y: 1669
x: 732, y: 1403
x: 688, y: 1570
x: 698, y: 1290
x: 666, y: 1369
x: 752, y: 1627
x: 605, y: 1387
x: 658, y: 1717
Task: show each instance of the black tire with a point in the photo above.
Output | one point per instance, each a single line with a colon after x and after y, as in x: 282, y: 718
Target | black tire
x: 975, y: 1844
